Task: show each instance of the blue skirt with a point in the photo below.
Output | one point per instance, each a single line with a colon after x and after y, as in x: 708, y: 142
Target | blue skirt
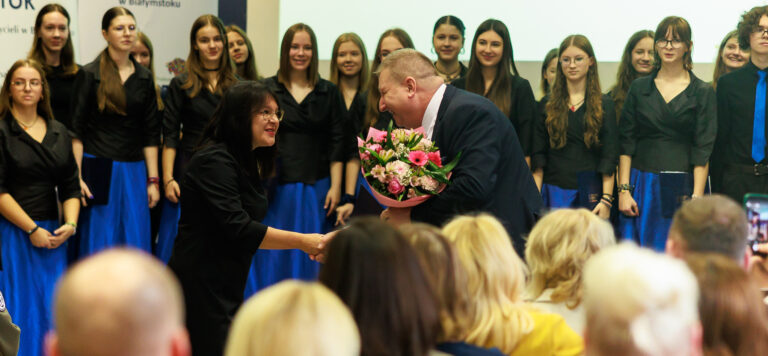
x: 124, y: 221
x: 294, y: 207
x: 169, y: 228
x: 556, y: 197
x: 27, y: 281
x: 650, y: 227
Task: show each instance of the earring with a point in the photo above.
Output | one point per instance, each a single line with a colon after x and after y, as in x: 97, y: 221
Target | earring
x: 462, y: 50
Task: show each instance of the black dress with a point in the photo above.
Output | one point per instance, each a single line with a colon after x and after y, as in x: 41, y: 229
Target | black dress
x: 219, y: 232
x: 61, y: 86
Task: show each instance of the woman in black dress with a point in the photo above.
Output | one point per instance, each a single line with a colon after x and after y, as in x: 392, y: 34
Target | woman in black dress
x: 224, y: 202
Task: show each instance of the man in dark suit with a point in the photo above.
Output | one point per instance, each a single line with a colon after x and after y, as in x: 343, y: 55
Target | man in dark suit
x: 491, y: 176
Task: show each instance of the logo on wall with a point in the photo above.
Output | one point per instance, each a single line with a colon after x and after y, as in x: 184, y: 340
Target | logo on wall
x: 151, y: 3
x: 17, y: 4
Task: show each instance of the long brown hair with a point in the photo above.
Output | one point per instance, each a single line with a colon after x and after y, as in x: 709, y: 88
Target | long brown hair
x: 544, y: 86
x: 285, y: 58
x: 364, y: 74
x: 110, y: 96
x: 499, y: 92
x: 67, y: 56
x: 719, y: 63
x: 681, y: 30
x: 144, y: 39
x: 627, y: 72
x: 196, y: 77
x: 249, y: 67
x: 43, y: 106
x: 372, y: 104
x: 557, y: 106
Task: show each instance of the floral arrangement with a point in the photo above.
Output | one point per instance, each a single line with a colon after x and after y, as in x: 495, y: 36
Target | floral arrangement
x: 402, y: 167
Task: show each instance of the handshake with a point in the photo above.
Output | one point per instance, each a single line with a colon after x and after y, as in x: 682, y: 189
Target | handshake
x: 316, y: 245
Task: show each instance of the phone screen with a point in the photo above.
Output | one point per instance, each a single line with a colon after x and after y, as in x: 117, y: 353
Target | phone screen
x: 757, y: 215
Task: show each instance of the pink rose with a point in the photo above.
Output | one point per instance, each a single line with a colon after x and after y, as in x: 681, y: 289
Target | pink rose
x: 395, y: 187
x: 374, y: 147
x: 435, y: 158
x: 418, y: 158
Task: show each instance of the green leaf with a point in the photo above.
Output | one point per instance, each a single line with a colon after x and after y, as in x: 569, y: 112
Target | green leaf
x: 449, y: 167
x: 374, y: 154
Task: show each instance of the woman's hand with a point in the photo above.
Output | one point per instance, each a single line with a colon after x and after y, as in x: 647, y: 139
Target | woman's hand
x: 41, y: 238
x: 153, y: 195
x: 85, y: 193
x: 322, y: 252
x: 627, y: 204
x: 172, y: 191
x: 602, y: 210
x: 332, y: 200
x: 343, y: 213
x: 312, y: 244
x: 62, y: 234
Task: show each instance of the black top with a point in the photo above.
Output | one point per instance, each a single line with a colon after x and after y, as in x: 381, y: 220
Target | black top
x: 672, y: 136
x: 33, y: 172
x: 191, y: 113
x: 354, y: 123
x: 523, y: 110
x: 492, y: 175
x: 312, y: 133
x: 736, y: 115
x: 110, y: 135
x: 61, y: 95
x: 562, y: 165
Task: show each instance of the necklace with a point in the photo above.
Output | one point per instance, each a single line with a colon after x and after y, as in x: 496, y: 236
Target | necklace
x: 449, y: 76
x: 211, y: 69
x: 573, y: 106
x: 25, y: 126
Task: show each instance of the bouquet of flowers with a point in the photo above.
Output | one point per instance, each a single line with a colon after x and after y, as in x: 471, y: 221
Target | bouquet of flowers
x: 402, y: 167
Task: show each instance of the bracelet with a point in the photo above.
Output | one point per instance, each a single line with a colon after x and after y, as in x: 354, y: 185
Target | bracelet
x: 347, y: 198
x: 30, y: 232
x: 168, y: 182
x: 608, y: 197
x: 71, y: 224
x: 626, y: 187
x: 153, y: 180
x: 606, y: 203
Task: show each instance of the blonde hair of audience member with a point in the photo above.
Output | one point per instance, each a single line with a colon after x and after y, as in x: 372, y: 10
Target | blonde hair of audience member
x: 496, y: 279
x: 557, y: 249
x: 118, y: 303
x: 446, y: 275
x: 294, y: 318
x: 731, y: 309
x: 639, y: 302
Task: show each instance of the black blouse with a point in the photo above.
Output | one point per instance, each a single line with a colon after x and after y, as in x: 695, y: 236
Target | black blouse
x: 312, y: 133
x: 61, y: 95
x: 523, y: 110
x: 32, y: 172
x: 562, y: 165
x: 110, y: 135
x: 193, y: 114
x: 354, y: 126
x: 674, y: 136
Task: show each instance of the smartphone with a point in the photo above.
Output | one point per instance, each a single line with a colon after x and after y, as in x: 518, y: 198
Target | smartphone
x: 756, y: 206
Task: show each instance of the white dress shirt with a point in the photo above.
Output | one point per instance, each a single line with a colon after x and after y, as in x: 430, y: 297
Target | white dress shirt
x: 430, y: 115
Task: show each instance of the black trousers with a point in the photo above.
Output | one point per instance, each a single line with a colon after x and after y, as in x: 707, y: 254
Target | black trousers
x: 736, y: 184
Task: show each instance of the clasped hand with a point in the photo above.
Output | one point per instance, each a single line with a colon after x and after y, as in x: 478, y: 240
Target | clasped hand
x: 317, y: 246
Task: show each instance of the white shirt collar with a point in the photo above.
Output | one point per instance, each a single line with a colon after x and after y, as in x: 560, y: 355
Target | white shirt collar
x: 430, y: 115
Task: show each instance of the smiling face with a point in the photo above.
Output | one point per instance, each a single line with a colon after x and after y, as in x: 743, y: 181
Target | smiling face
x: 349, y: 59
x: 26, y: 87
x: 54, y: 31
x: 300, y: 54
x: 642, y: 56
x: 209, y: 45
x: 397, y: 98
x: 140, y: 53
x: 447, y: 41
x: 238, y: 49
x: 264, y: 124
x: 733, y: 56
x: 575, y: 63
x: 489, y: 48
x: 121, y: 34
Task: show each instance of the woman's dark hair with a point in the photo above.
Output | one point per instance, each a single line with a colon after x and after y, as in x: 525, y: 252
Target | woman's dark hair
x: 681, y: 30
x: 144, y: 39
x: 627, y: 72
x: 67, y: 57
x: 373, y: 96
x: 110, y: 96
x: 552, y: 54
x: 450, y: 20
x: 557, y: 107
x: 499, y: 91
x: 750, y: 20
x: 377, y: 274
x: 231, y: 124
x: 283, y: 73
x: 196, y: 77
x: 248, y: 71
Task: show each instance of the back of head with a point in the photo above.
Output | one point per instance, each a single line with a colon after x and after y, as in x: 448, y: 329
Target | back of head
x: 407, y: 62
x: 377, y: 275
x: 118, y: 302
x: 293, y: 318
x: 446, y: 276
x: 712, y: 223
x: 557, y: 249
x: 639, y: 302
x: 496, y: 278
x: 732, y: 312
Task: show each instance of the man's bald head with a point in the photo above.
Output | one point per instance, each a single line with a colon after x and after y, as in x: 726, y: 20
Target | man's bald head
x: 118, y: 302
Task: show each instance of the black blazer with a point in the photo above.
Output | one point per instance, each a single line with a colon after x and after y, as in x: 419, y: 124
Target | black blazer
x: 492, y: 175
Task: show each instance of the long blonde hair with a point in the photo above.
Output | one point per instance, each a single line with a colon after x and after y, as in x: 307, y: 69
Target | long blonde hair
x: 496, y: 279
x: 557, y: 250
